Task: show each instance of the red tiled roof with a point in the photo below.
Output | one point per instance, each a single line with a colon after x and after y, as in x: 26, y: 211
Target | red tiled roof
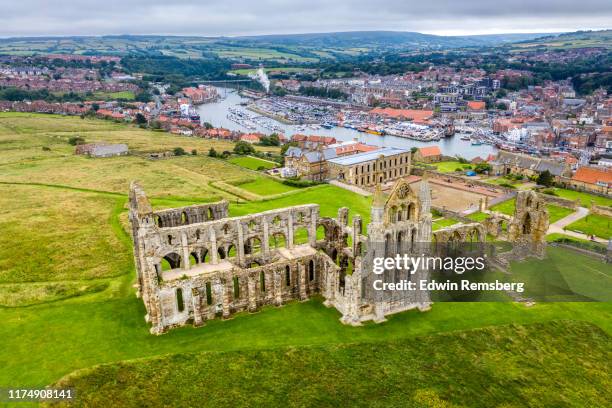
x: 416, y: 115
x: 476, y: 105
x: 593, y: 175
x: 430, y: 151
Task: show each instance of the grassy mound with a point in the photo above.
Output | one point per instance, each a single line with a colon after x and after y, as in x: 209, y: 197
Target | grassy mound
x: 560, y: 363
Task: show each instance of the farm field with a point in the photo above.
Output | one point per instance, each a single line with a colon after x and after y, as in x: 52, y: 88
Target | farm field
x: 67, y: 301
x: 109, y: 96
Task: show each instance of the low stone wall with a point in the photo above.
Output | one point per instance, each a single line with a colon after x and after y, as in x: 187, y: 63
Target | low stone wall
x: 479, y: 183
x: 561, y: 202
x: 452, y: 214
x: 601, y: 210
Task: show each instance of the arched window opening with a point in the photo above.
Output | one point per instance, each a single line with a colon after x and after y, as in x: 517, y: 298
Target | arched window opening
x: 210, y: 213
x: 287, y: 275
x: 158, y: 221
x: 180, y: 303
x: 209, y: 298
x: 221, y: 252
x: 277, y: 241
x: 184, y: 217
x: 236, y: 288
x: 193, y: 259
x: 262, y: 281
x: 311, y: 273
x: 170, y: 239
x: 527, y: 224
x: 197, y: 234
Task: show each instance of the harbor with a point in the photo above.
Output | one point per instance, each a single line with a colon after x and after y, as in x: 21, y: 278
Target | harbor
x: 232, y: 112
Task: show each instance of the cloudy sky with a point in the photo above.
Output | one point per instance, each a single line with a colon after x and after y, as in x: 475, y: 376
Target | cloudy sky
x: 247, y: 17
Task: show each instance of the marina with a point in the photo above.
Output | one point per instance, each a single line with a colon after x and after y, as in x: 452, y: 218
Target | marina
x: 231, y: 112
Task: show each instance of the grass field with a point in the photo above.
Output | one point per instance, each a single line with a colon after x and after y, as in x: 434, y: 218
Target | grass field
x: 593, y: 224
x: 247, y: 71
x: 449, y: 166
x: 264, y: 186
x: 498, y: 366
x: 252, y: 163
x: 443, y: 223
x: 555, y: 212
x: 585, y: 198
x: 66, y: 254
x: 111, y: 96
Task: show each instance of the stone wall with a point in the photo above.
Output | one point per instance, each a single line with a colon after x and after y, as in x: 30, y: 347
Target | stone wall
x: 561, y: 202
x: 601, y: 210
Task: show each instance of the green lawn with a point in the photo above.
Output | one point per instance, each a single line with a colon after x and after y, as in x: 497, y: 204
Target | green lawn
x: 478, y: 217
x: 585, y: 198
x: 593, y: 224
x: 443, y: 223
x: 555, y: 212
x: 534, y: 365
x: 252, y: 163
x: 265, y: 186
x: 108, y: 96
x: 449, y: 166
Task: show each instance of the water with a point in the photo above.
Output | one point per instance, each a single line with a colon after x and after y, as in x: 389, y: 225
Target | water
x: 215, y: 113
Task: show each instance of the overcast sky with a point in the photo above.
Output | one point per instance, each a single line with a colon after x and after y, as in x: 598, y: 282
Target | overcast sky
x: 249, y: 17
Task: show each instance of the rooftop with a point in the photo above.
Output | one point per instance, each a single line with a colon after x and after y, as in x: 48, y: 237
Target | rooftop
x: 367, y: 156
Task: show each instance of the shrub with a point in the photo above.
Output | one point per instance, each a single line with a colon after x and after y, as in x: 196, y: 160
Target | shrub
x: 76, y: 140
x: 295, y: 182
x: 212, y: 152
x: 179, y: 151
x: 46, y: 149
x: 506, y: 185
x: 549, y: 191
x: 194, y: 152
x: 243, y: 148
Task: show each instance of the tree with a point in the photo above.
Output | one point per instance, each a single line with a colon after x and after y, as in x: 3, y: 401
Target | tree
x: 482, y: 168
x: 286, y: 147
x: 207, y: 125
x: 243, y: 148
x: 179, y: 151
x: 212, y: 152
x: 194, y: 152
x: 545, y: 179
x: 140, y: 119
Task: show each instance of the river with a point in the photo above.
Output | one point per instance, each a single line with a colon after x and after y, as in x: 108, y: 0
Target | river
x: 216, y: 114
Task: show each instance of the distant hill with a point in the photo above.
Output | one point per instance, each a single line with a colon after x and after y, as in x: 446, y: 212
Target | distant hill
x: 387, y: 39
x: 578, y: 39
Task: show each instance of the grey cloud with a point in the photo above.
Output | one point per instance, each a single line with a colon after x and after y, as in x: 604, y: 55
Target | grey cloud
x: 243, y: 17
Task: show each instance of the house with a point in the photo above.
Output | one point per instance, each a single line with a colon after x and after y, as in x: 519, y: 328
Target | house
x: 352, y: 147
x: 529, y: 166
x: 370, y: 168
x: 594, y: 175
x: 429, y: 154
x: 310, y: 165
x: 250, y: 138
x: 476, y: 105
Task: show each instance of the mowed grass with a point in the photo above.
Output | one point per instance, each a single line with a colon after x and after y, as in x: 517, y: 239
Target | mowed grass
x: 555, y: 212
x: 110, y: 96
x: 265, y: 186
x: 585, y: 198
x: 593, y: 224
x: 534, y: 365
x: 252, y: 163
x: 449, y: 166
x: 443, y: 223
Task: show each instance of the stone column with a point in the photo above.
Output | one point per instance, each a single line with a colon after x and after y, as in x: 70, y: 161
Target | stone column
x: 290, y: 230
x: 185, y: 250
x: 278, y: 288
x: 312, y: 228
x: 252, y: 294
x: 197, y: 311
x: 265, y: 245
x: 302, y: 281
x: 225, y: 299
x: 214, y: 256
x: 240, y: 249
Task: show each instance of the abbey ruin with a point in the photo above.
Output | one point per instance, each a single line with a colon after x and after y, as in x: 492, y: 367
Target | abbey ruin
x: 197, y: 263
